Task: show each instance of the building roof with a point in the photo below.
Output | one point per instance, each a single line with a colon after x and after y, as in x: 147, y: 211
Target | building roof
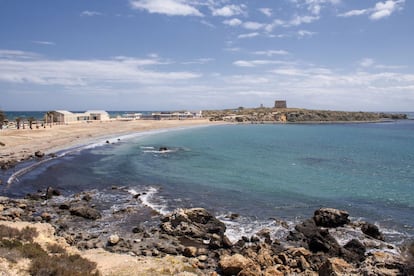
x: 64, y: 112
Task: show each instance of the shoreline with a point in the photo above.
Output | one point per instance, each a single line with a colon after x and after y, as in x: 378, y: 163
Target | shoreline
x: 21, y: 145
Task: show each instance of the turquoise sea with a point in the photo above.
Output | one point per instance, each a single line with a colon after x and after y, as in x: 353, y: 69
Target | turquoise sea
x: 261, y: 172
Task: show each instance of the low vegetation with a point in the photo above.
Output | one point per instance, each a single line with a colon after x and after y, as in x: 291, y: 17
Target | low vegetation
x: 18, y: 244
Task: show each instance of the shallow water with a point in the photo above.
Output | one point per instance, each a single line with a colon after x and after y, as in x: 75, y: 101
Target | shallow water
x: 257, y: 171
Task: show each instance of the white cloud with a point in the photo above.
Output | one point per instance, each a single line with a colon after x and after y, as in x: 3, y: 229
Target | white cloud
x: 367, y: 62
x: 379, y: 11
x: 304, y: 33
x: 16, y: 54
x: 270, y: 53
x: 266, y: 11
x: 249, y: 35
x: 299, y: 20
x: 168, y: 7
x: 353, y: 13
x: 90, y: 13
x: 48, y: 43
x: 385, y: 9
x: 253, y: 25
x: 233, y: 22
x: 259, y: 62
x: 229, y: 10
x: 37, y: 70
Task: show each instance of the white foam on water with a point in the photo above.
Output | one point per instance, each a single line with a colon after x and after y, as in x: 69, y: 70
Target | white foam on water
x: 150, y: 199
x: 247, y: 227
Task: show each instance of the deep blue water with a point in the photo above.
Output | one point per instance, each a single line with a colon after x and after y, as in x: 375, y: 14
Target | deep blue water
x: 257, y: 171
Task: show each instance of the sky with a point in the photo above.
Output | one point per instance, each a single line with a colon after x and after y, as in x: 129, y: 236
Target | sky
x: 206, y: 54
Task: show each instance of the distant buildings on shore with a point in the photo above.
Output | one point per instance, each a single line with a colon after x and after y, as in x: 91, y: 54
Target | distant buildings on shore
x: 64, y: 117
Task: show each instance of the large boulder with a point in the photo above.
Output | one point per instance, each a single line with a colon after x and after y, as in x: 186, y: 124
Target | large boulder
x: 329, y: 217
x: 196, y: 225
x: 372, y: 230
x: 336, y: 267
x: 354, y: 251
x: 85, y: 212
x: 316, y: 239
x: 232, y: 265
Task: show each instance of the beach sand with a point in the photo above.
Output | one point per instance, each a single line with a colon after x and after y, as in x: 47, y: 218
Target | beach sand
x: 17, y: 145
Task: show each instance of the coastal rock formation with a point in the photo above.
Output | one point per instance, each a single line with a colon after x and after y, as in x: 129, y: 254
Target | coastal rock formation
x: 199, y: 237
x: 372, y: 231
x: 329, y: 217
x: 296, y: 115
x: 197, y: 226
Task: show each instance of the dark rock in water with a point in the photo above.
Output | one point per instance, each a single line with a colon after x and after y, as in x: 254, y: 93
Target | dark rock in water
x: 51, y: 192
x: 85, y: 212
x: 329, y: 217
x: 163, y: 149
x: 354, y: 251
x: 39, y: 154
x: 372, y: 231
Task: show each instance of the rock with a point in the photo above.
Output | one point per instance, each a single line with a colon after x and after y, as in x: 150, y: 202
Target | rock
x: 336, y: 267
x: 13, y: 212
x: 64, y: 206
x: 46, y: 216
x: 39, y: 154
x: 113, y: 239
x: 51, y: 192
x: 329, y: 217
x: 232, y: 265
x: 85, y: 212
x: 372, y: 231
x: 383, y: 263
x: 190, y: 251
x: 273, y: 271
x: 354, y: 251
x: 87, y: 197
x: 196, y: 225
x: 310, y: 236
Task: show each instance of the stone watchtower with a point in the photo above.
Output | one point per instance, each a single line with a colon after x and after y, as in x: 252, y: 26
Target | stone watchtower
x: 280, y: 104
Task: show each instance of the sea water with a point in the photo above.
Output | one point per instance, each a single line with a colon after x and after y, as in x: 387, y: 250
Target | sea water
x: 262, y: 172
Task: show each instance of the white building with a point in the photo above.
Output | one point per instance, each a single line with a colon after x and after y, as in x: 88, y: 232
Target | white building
x: 65, y: 117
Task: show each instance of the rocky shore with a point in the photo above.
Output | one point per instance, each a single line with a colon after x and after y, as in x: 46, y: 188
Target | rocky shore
x: 312, y: 247
x: 295, y: 115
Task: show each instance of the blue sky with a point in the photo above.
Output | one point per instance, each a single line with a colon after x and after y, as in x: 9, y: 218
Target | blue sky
x: 211, y: 54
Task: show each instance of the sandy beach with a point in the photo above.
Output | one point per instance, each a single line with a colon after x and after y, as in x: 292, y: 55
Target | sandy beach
x: 17, y: 145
